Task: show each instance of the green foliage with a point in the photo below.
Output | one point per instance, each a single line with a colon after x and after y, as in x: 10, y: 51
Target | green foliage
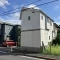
x: 19, y: 36
x: 55, y: 50
x: 19, y: 31
x: 57, y: 40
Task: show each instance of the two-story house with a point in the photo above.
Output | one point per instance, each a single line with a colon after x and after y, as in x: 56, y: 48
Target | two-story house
x: 36, y: 29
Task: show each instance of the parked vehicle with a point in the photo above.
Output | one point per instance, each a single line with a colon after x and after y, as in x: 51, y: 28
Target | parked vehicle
x: 9, y: 43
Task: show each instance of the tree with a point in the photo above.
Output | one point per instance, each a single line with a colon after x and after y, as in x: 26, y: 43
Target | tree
x: 19, y: 32
x: 57, y: 40
x: 19, y: 35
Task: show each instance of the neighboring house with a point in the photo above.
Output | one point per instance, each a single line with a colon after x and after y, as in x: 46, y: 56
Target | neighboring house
x: 36, y: 29
x: 55, y: 30
x: 59, y: 28
x: 8, y: 31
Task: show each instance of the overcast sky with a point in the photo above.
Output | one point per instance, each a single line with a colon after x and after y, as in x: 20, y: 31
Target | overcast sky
x: 52, y: 9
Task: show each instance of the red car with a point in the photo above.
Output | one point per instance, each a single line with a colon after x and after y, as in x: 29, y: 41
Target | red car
x: 9, y: 43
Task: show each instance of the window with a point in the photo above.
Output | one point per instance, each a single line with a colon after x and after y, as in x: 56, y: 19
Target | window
x: 29, y: 17
x: 41, y: 17
x: 47, y: 19
x: 49, y: 37
x: 33, y: 12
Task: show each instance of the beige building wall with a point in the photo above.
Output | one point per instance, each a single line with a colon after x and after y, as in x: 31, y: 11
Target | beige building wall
x: 42, y: 21
x: 44, y: 38
x: 35, y: 31
x: 33, y: 23
x: 30, y: 35
x: 30, y: 39
x: 46, y: 29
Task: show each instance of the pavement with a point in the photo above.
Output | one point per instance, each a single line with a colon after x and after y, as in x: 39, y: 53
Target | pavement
x: 10, y: 57
x: 7, y: 54
x: 4, y: 52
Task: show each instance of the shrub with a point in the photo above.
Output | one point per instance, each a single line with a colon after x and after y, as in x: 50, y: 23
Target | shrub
x: 57, y: 39
x: 55, y: 50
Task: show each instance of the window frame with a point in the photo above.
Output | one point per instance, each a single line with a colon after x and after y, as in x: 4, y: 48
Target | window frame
x: 49, y: 37
x: 50, y: 23
x: 29, y: 17
x: 41, y: 17
x: 47, y: 20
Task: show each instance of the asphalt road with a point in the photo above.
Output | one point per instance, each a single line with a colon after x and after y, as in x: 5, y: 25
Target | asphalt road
x: 6, y: 55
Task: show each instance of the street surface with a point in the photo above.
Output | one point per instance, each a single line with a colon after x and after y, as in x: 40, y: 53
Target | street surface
x: 6, y: 55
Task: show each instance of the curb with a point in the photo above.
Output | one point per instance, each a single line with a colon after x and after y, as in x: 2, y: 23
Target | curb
x: 41, y: 57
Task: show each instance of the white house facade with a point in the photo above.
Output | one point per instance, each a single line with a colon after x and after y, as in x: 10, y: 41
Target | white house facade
x: 36, y: 29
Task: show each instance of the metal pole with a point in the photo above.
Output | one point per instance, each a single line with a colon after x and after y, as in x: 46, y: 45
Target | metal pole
x: 50, y: 47
x: 11, y: 49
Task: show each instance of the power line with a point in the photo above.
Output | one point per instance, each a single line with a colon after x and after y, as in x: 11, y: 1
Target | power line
x: 35, y: 6
x: 48, y: 3
x: 21, y: 6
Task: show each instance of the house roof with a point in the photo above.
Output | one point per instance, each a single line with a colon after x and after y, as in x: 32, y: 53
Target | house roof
x: 1, y: 22
x: 32, y: 9
x: 7, y: 23
x: 56, y: 25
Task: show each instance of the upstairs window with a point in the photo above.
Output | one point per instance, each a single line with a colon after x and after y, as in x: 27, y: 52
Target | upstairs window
x: 29, y: 18
x: 41, y: 17
x: 47, y: 19
x: 33, y: 12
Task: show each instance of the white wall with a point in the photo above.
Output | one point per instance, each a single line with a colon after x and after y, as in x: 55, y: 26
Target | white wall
x: 46, y: 29
x: 48, y: 24
x: 34, y: 23
x: 42, y: 22
x: 30, y: 39
x: 51, y: 32
x: 44, y: 37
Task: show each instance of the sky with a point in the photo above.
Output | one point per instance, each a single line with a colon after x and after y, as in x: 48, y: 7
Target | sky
x: 52, y: 9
